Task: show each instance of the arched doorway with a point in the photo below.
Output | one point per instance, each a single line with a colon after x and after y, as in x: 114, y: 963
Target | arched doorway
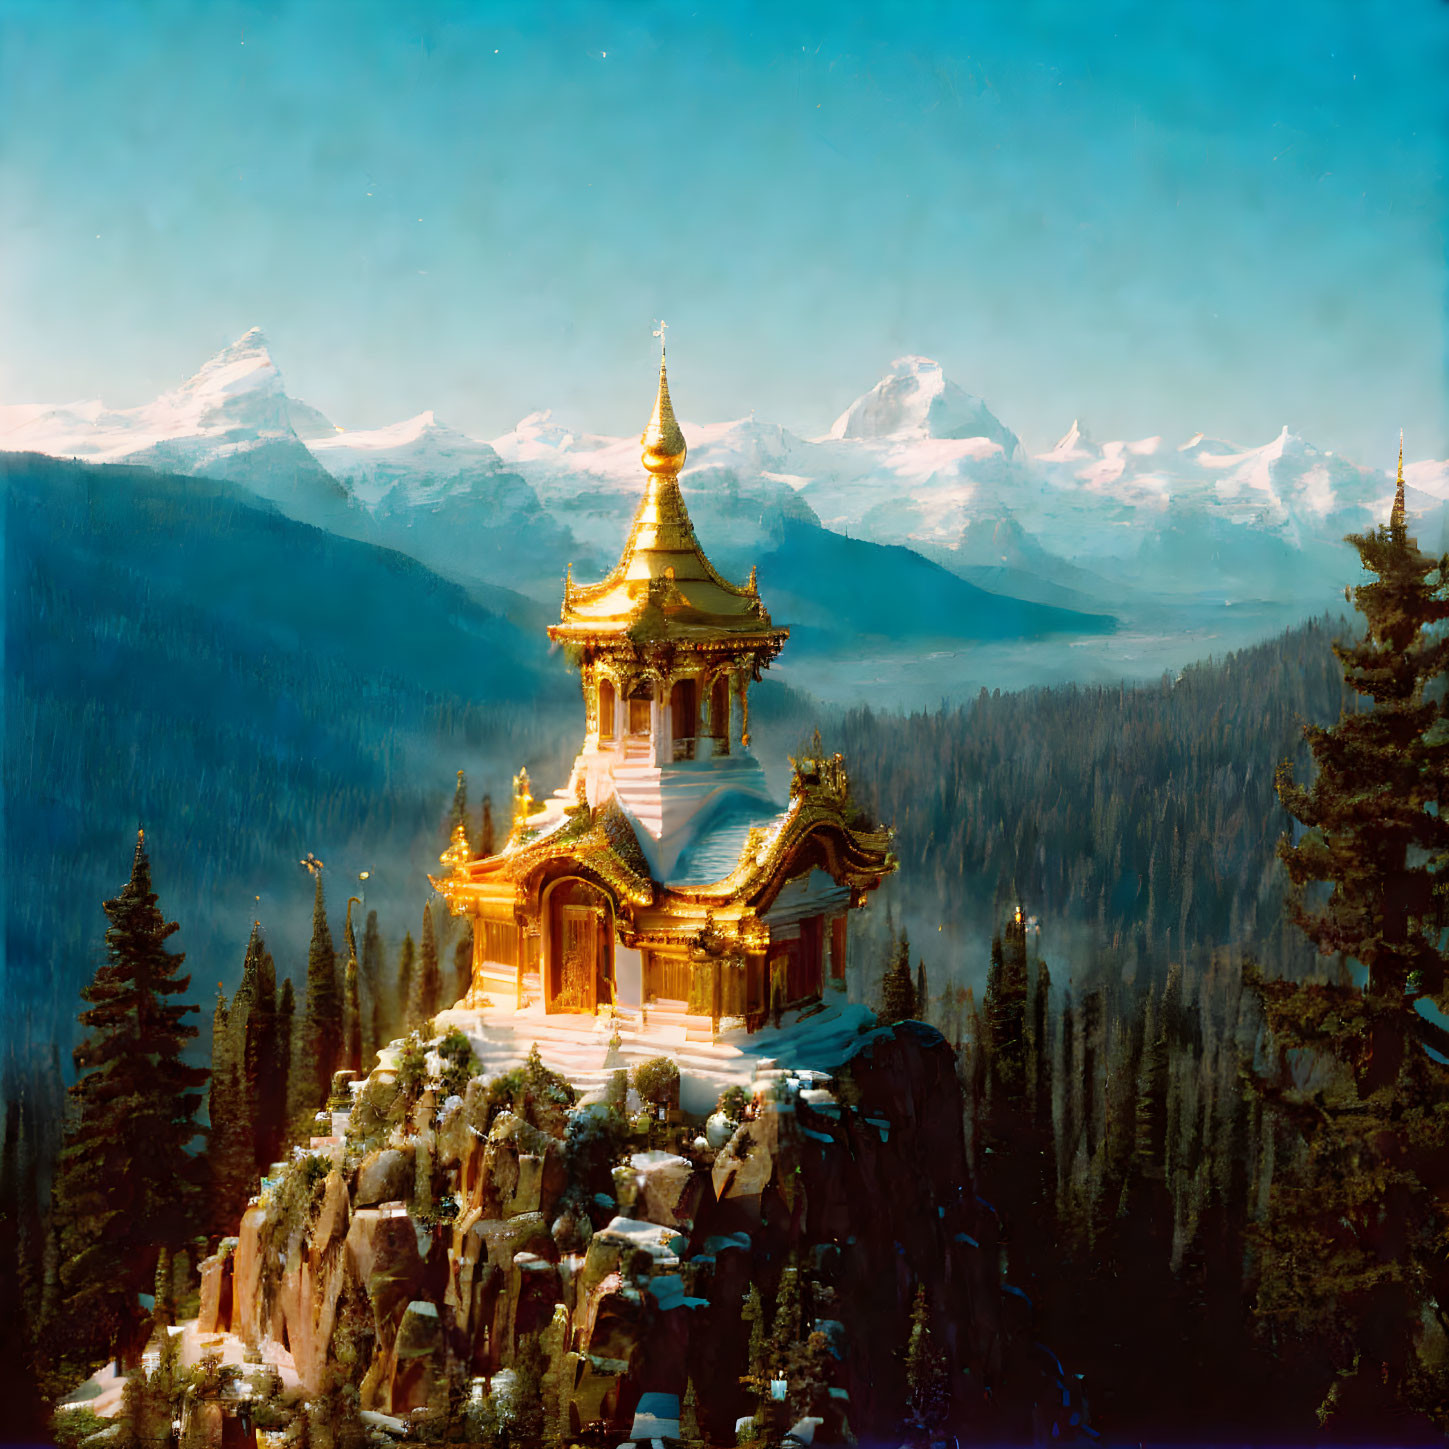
x: 579, y: 972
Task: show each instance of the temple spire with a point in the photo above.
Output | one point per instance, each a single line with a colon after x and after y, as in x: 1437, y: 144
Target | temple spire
x: 662, y: 441
x: 1396, y: 517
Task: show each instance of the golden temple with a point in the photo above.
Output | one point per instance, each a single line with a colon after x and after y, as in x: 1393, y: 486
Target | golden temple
x: 663, y: 878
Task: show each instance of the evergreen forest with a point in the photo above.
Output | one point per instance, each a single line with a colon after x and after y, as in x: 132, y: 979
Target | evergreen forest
x: 1182, y: 942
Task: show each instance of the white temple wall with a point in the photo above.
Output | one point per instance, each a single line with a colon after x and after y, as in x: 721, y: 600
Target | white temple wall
x: 628, y: 977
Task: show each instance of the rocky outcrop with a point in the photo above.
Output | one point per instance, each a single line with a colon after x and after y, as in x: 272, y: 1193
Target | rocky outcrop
x: 385, y: 1175
x: 214, y: 1314
x: 622, y: 1269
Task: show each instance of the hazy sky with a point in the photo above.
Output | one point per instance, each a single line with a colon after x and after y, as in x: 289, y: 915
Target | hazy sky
x: 1160, y: 217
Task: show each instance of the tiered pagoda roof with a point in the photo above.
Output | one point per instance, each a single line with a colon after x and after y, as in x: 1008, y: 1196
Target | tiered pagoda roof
x: 663, y: 586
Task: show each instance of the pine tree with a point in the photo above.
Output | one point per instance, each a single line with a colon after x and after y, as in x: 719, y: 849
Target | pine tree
x: 928, y: 1384
x: 1005, y: 1010
x: 374, y: 1008
x: 1369, y: 1203
x: 922, y: 1002
x: 487, y: 844
x: 690, y: 1436
x: 427, y: 983
x: 351, y: 1002
x: 785, y: 1331
x: 404, y: 1020
x: 231, y: 1150
x: 1040, y: 1071
x: 263, y: 1077
x: 458, y: 811
x: 463, y: 963
x: 126, y: 1185
x: 18, y: 1322
x: 1377, y: 816
x: 285, y: 1040
x: 898, y: 993
x: 316, y: 1052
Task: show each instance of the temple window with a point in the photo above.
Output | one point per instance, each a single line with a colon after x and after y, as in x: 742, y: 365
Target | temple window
x: 685, y: 714
x: 606, y: 709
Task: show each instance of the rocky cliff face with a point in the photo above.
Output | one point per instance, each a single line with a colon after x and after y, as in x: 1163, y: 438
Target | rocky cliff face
x: 554, y: 1252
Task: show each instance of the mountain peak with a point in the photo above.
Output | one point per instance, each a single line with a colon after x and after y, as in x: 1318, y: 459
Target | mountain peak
x: 237, y: 391
x: 915, y: 399
x: 1076, y: 442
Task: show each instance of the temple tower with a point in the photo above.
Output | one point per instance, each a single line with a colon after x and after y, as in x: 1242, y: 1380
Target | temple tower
x: 662, y: 879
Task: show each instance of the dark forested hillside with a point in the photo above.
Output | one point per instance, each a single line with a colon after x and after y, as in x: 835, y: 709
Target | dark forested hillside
x: 249, y: 689
x: 1134, y: 822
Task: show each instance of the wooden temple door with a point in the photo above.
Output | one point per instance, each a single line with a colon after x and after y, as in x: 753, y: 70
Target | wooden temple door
x: 576, y: 991
x: 580, y: 949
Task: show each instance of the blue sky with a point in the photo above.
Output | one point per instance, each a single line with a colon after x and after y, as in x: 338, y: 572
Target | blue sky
x: 1157, y: 217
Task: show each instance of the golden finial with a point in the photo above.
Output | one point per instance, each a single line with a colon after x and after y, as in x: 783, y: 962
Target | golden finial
x: 523, y: 801
x: 1396, y: 516
x: 455, y: 857
x: 663, y: 443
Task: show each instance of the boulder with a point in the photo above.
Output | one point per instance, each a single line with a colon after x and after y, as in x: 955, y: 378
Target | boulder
x: 312, y: 1282
x: 214, y: 1315
x: 718, y: 1130
x: 522, y: 1170
x: 205, y: 1425
x: 627, y: 1248
x: 669, y: 1189
x: 417, y: 1358
x: 330, y: 1228
x: 384, y: 1254
x: 246, y: 1281
x: 533, y: 1293
x: 744, y: 1166
x: 385, y: 1175
x: 503, y: 1237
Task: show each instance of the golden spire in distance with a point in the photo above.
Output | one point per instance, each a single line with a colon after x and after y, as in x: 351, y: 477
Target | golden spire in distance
x: 1396, y: 517
x: 663, y: 443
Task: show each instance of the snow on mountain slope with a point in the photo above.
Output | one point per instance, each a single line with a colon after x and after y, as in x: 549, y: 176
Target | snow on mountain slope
x: 235, y: 399
x: 231, y: 419
x: 915, y: 460
x: 419, y: 455
x: 915, y: 399
x: 450, y: 501
x: 1207, y: 513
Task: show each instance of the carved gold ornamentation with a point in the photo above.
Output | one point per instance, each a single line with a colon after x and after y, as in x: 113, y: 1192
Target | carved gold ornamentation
x: 455, y: 858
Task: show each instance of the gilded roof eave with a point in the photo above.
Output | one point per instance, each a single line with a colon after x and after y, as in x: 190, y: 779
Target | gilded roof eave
x: 601, y: 845
x: 598, y: 842
x: 869, y: 857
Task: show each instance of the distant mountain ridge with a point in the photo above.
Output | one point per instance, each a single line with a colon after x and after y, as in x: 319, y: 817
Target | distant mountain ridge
x: 512, y: 513
x: 916, y: 461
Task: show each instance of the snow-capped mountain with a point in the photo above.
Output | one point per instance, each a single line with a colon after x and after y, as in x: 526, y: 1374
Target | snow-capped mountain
x: 916, y: 460
x: 916, y: 400
x: 232, y: 420
x: 450, y: 501
x: 419, y: 456
x: 236, y: 399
